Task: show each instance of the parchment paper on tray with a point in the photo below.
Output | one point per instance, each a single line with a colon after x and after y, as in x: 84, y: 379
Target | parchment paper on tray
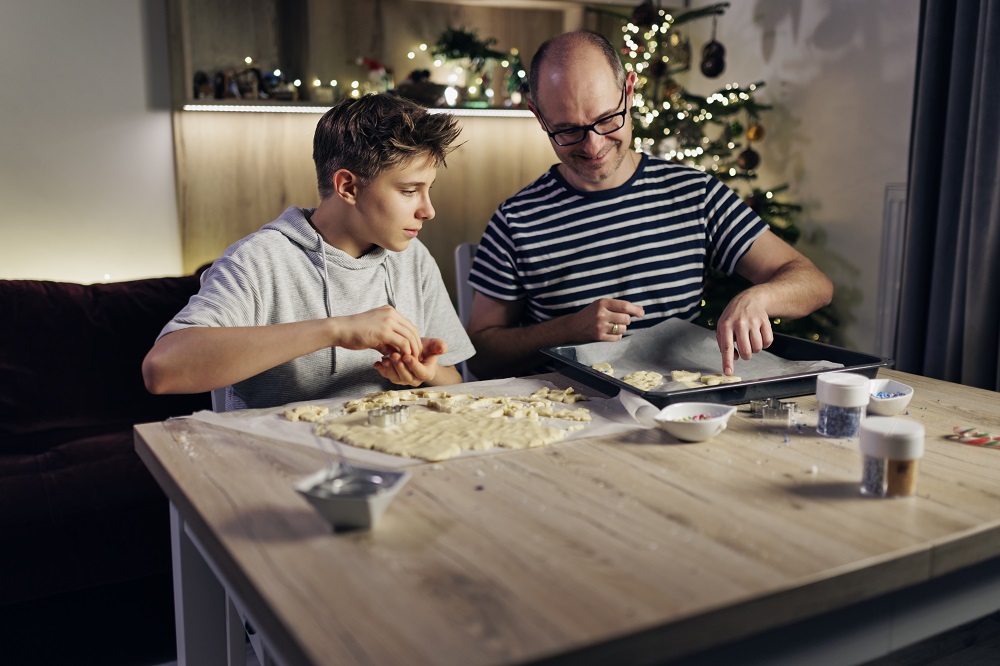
x: 681, y: 345
x: 608, y: 416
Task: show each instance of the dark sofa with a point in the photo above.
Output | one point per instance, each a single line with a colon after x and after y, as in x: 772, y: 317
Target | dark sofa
x: 82, y: 523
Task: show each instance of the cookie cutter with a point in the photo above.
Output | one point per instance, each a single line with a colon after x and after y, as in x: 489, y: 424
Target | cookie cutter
x: 384, y: 417
x: 774, y: 411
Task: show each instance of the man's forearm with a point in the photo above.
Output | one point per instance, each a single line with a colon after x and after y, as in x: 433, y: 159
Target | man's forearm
x: 513, y: 351
x: 797, y: 290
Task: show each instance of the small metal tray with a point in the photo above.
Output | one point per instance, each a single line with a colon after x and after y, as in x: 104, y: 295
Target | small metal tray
x: 786, y: 386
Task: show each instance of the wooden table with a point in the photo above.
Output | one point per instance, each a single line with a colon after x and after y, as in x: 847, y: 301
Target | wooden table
x: 627, y: 549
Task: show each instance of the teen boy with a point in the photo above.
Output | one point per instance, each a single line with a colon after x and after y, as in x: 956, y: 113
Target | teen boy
x: 340, y: 299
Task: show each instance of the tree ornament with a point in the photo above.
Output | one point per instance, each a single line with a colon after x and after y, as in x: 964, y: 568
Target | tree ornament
x: 753, y: 201
x: 678, y: 51
x: 671, y: 89
x: 713, y: 56
x: 645, y: 14
x: 748, y: 159
x: 755, y: 132
x: 657, y: 69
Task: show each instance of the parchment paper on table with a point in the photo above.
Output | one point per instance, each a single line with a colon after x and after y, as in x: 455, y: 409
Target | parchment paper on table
x: 442, y: 425
x: 680, y: 345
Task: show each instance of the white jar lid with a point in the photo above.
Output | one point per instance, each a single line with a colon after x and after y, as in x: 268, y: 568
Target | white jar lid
x: 892, y: 438
x: 843, y: 389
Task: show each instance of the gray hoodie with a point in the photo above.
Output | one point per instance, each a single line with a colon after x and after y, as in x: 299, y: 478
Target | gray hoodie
x: 285, y: 272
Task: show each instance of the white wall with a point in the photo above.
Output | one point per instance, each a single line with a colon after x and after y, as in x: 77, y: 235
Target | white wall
x: 840, y: 74
x: 86, y: 166
x: 86, y: 158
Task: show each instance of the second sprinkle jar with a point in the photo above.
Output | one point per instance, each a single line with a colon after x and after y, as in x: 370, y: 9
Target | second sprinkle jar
x: 891, y: 448
x: 842, y: 397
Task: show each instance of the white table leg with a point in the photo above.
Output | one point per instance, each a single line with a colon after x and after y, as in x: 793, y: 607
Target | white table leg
x: 199, y: 603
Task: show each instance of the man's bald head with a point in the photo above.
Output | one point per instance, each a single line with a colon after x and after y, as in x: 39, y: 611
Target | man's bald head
x: 559, y: 51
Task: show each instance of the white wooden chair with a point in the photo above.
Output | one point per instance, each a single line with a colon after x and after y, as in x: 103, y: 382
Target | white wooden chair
x: 463, y: 291
x: 219, y: 399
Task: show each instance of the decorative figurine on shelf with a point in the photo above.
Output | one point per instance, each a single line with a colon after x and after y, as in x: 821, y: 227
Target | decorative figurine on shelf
x: 419, y: 88
x: 203, y: 88
x: 378, y: 74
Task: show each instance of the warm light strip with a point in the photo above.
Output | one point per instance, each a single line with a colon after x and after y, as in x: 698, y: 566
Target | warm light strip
x: 505, y: 113
x: 246, y: 108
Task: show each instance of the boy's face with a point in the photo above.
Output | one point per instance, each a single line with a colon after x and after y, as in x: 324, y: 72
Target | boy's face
x: 394, y: 207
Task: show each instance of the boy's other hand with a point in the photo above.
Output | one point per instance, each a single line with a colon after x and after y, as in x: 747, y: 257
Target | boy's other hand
x: 410, y: 370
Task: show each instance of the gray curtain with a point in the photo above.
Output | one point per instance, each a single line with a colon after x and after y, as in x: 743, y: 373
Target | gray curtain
x: 949, y: 314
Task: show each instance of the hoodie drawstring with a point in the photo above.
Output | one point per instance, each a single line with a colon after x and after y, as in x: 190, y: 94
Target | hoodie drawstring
x: 390, y: 294
x: 329, y: 302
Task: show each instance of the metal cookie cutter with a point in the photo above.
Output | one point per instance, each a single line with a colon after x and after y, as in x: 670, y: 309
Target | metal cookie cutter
x: 383, y: 417
x: 774, y: 411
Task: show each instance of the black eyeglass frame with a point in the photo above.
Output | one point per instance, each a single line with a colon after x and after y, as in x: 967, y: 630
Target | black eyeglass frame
x: 592, y: 127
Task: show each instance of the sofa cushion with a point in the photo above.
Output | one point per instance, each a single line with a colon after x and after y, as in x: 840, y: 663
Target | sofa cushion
x: 84, y: 513
x: 71, y: 355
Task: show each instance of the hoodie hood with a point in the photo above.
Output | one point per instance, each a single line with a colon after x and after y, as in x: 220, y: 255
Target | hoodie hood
x: 294, y: 225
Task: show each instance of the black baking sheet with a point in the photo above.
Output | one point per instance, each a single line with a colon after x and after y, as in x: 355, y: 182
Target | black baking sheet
x: 780, y: 386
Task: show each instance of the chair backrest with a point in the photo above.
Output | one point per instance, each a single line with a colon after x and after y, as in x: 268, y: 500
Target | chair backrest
x: 219, y: 399
x: 463, y: 263
x: 463, y: 290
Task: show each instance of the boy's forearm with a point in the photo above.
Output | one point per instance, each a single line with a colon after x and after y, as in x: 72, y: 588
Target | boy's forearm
x: 445, y: 375
x: 198, y: 359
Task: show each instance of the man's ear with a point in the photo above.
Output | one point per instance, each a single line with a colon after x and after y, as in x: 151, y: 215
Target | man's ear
x: 345, y: 186
x: 538, y: 117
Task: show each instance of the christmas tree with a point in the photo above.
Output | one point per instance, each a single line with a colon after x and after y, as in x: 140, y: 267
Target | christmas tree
x: 714, y: 133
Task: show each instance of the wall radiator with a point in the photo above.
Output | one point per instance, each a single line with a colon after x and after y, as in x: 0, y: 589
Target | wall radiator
x: 890, y: 273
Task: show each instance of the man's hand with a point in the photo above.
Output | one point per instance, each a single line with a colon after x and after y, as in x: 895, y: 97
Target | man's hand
x: 410, y: 370
x: 383, y: 329
x: 605, y: 319
x: 744, y: 329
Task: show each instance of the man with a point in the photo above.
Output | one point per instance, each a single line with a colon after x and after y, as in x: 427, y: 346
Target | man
x: 332, y: 300
x: 611, y: 239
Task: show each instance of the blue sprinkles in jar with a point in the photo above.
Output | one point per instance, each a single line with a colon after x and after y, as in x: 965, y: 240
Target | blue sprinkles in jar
x: 842, y: 398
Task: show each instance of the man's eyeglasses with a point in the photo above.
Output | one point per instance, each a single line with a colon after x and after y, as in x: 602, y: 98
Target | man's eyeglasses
x: 572, y: 135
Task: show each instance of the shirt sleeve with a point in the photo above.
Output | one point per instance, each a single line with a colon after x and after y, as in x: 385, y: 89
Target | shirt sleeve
x: 731, y: 226
x: 227, y: 297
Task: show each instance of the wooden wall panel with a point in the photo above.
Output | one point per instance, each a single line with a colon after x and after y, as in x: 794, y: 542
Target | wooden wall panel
x: 238, y: 171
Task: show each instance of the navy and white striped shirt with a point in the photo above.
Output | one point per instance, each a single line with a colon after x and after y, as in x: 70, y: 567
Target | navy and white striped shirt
x: 647, y: 241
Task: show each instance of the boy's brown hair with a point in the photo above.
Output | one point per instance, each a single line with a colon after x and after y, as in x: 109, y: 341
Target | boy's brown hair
x: 374, y: 133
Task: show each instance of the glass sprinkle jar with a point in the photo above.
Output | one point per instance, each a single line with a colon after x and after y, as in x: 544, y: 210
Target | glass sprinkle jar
x: 893, y: 445
x: 842, y: 397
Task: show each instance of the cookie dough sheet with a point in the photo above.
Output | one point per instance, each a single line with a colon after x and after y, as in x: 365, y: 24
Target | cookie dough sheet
x: 608, y: 416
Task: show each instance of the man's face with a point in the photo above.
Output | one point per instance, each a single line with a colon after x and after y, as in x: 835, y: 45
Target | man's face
x: 584, y: 93
x: 394, y: 207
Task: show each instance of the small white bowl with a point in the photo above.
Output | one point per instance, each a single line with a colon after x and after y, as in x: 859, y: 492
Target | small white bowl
x: 679, y: 420
x: 888, y: 406
x: 358, y: 509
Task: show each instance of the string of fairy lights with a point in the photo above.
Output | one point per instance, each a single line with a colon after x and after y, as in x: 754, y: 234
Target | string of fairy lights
x: 674, y: 123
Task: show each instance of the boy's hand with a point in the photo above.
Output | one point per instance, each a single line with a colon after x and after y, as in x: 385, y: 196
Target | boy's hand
x: 383, y: 329
x: 409, y: 370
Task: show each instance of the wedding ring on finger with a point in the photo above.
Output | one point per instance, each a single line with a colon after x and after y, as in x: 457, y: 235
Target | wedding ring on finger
x: 614, y: 329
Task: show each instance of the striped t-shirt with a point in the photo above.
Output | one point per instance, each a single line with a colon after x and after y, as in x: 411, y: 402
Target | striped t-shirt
x: 647, y: 241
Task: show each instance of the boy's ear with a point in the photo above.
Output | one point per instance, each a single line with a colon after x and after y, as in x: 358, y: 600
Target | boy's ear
x: 345, y: 186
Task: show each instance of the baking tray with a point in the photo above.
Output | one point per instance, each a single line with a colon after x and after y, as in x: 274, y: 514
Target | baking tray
x: 784, y: 386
